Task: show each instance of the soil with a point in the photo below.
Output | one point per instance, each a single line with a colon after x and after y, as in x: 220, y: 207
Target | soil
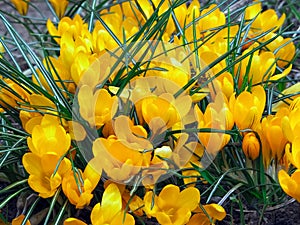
x: 287, y: 213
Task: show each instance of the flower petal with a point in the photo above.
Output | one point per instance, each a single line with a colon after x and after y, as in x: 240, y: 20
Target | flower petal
x: 168, y: 197
x: 189, y: 198
x: 111, y: 203
x: 74, y: 221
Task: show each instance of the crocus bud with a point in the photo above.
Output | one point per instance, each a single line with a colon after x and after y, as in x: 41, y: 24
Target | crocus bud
x: 251, y: 146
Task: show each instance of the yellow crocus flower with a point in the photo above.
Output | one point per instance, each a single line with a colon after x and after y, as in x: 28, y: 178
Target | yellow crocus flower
x: 109, y: 211
x: 59, y: 6
x: 41, y: 170
x: 13, y: 94
x: 251, y: 146
x: 290, y: 184
x: 248, y: 107
x: 262, y: 67
x: 264, y: 21
x: 122, y: 156
x: 21, y: 6
x: 283, y: 48
x: 214, y: 211
x: 217, y: 116
x: 172, y: 206
x: 272, y: 129
x: 88, y: 181
x: 96, y: 108
x: 18, y: 220
x: 75, y: 27
x: 49, y: 137
x: 291, y: 122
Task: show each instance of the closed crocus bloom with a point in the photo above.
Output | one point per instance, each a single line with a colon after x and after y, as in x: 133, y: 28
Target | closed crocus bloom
x: 292, y: 152
x: 80, y: 195
x: 59, y: 6
x: 171, y: 110
x: 173, y: 70
x: 102, y: 40
x: 253, y: 10
x: 265, y: 148
x: 214, y: 211
x: 251, y: 146
x: 80, y: 64
x: 291, y: 123
x: 75, y: 27
x: 110, y: 210
x: 76, y: 54
x: 262, y: 67
x: 272, y: 129
x: 12, y: 94
x: 263, y: 21
x: 283, y: 48
x: 248, y: 107
x: 30, y: 120
x: 98, y: 107
x: 224, y: 82
x: 290, y: 184
x: 135, y: 203
x: 172, y: 206
x: 217, y: 116
x: 49, y: 137
x: 41, y: 172
x: 213, y: 17
x: 21, y: 6
x: 153, y: 107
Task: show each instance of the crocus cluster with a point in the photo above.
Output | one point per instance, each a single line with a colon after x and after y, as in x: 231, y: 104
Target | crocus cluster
x: 144, y: 111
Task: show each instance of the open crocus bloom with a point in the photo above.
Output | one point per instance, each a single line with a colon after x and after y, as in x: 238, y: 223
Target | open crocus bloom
x: 123, y: 155
x: 172, y: 206
x: 44, y: 178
